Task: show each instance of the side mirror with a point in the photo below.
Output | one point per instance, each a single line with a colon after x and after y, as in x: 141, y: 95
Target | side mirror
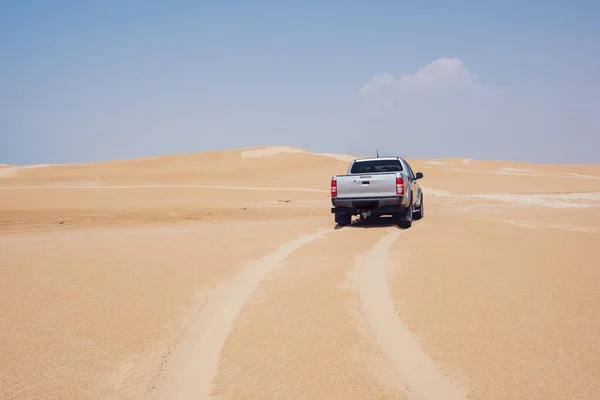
x: 419, y: 175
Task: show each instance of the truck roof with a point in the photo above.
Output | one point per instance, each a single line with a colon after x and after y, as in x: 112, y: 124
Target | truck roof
x: 376, y: 158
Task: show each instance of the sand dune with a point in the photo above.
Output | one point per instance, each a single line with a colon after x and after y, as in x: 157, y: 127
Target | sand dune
x: 221, y: 274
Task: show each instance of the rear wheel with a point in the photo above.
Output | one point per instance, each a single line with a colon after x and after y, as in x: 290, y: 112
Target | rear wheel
x: 405, y: 219
x: 419, y: 213
x: 343, y: 219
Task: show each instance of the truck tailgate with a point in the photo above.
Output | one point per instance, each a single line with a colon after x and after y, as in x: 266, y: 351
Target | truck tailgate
x: 369, y: 185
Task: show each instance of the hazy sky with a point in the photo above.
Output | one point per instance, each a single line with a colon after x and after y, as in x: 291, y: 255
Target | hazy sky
x: 91, y: 81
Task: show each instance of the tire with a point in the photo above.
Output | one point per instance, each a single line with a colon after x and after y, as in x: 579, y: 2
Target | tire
x: 405, y: 219
x: 343, y: 219
x: 420, y: 212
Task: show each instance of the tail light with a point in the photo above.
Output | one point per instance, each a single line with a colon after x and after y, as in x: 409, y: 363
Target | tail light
x: 399, y: 185
x: 333, y: 188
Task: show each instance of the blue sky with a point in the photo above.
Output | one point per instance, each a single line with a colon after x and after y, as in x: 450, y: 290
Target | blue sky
x: 85, y: 81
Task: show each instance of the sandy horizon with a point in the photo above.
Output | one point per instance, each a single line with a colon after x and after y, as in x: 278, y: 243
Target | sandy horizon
x: 222, y: 275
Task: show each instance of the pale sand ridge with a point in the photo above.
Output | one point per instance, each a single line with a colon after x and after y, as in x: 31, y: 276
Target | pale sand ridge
x: 273, y: 150
x: 517, y: 172
x: 270, y: 151
x: 11, y: 170
x: 434, y: 162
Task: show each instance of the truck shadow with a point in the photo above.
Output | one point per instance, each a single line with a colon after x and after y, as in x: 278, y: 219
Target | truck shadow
x: 381, y: 222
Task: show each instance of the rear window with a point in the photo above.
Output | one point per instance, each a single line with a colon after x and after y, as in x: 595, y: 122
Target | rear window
x: 374, y: 166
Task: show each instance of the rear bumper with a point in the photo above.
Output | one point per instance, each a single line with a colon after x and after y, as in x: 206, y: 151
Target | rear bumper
x: 375, y: 204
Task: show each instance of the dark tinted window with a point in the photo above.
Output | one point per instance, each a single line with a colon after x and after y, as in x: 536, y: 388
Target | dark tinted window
x: 374, y: 166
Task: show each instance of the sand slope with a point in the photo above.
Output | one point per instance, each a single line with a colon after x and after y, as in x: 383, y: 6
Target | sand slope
x: 222, y: 274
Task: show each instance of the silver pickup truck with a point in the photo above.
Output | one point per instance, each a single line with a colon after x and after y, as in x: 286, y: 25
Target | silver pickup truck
x: 377, y: 186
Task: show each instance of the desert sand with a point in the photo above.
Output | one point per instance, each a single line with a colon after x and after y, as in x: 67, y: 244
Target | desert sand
x: 222, y: 275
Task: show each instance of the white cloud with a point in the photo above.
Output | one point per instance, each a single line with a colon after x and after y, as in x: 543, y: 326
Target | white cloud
x: 441, y: 77
x: 443, y: 71
x: 444, y: 110
x: 443, y: 105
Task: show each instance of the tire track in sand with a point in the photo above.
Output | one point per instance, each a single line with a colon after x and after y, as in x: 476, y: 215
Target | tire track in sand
x: 193, y: 363
x: 420, y: 375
